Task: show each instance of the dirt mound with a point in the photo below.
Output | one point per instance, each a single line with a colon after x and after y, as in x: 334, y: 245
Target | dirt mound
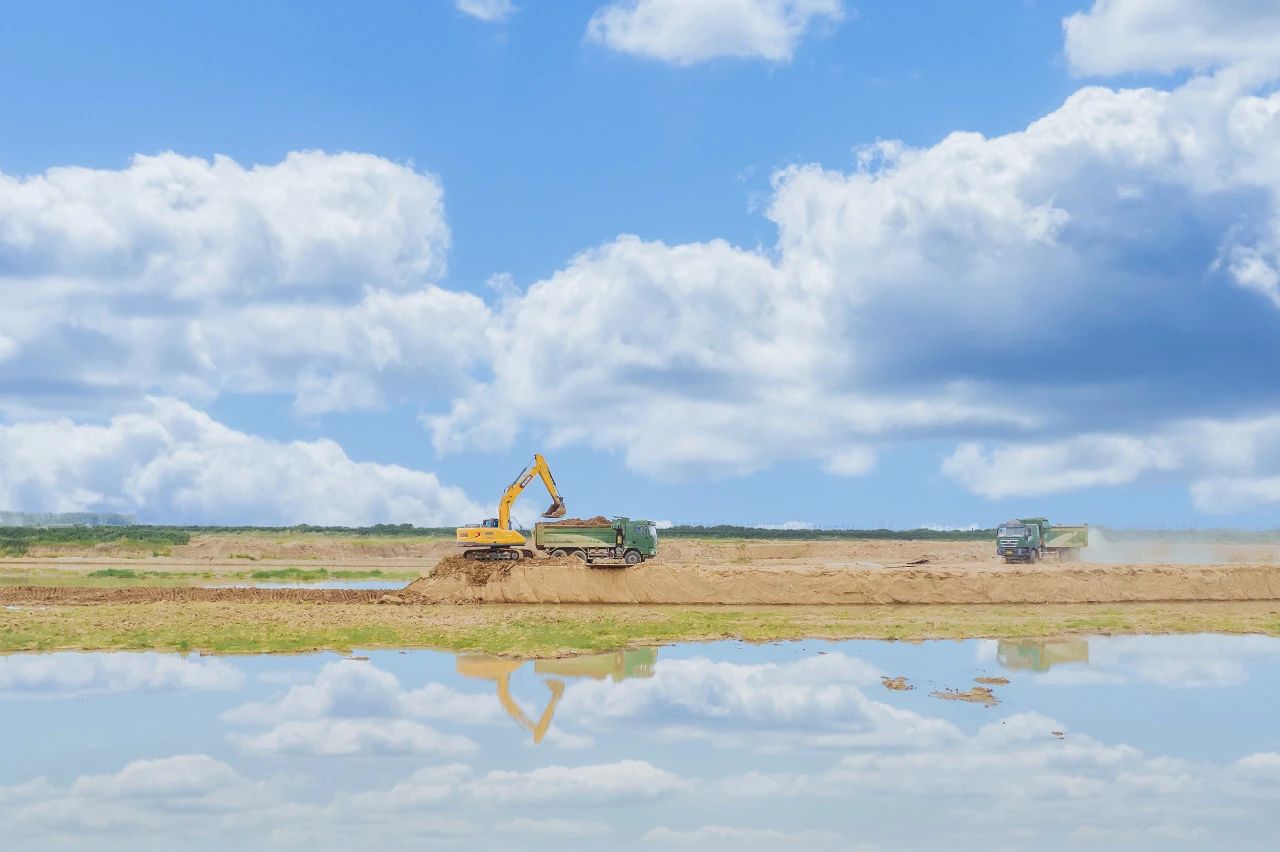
x: 597, y: 521
x: 473, y: 572
x: 569, y: 581
x: 992, y: 681
x: 898, y: 684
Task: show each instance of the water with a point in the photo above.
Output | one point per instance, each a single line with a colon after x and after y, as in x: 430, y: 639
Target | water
x: 1163, y: 742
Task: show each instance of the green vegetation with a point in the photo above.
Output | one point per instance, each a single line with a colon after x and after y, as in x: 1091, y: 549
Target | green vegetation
x: 533, y: 630
x: 156, y: 541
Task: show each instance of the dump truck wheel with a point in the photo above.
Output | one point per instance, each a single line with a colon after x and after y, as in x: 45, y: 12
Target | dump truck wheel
x: 559, y: 553
x: 1033, y: 558
x: 580, y: 554
x: 633, y: 557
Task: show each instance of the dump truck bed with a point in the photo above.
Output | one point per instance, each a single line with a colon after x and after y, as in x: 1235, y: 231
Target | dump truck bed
x: 1064, y: 537
x: 569, y: 536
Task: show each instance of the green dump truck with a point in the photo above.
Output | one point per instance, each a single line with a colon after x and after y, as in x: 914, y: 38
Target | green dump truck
x: 616, y: 541
x: 1032, y: 539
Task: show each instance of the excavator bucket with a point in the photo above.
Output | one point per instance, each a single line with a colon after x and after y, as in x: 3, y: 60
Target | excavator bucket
x: 555, y: 510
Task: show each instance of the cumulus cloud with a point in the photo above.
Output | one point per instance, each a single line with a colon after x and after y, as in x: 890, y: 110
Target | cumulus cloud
x: 1176, y: 662
x: 132, y: 806
x: 169, y: 460
x: 354, y: 736
x: 625, y: 780
x: 736, y: 835
x: 684, y: 32
x: 1233, y: 464
x: 487, y: 10
x: 194, y: 277
x: 985, y: 287
x: 1116, y: 36
x: 722, y: 365
x: 770, y: 707
x: 1017, y: 763
x: 67, y: 674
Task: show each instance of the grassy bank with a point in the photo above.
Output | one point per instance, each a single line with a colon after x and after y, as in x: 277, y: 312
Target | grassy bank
x: 541, y: 630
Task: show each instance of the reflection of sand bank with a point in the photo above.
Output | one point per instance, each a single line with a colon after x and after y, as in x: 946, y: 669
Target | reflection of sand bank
x: 1039, y: 655
x: 618, y: 666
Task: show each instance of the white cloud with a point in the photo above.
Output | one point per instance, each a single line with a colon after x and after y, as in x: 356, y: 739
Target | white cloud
x: 684, y: 32
x: 170, y: 461
x: 555, y: 828
x: 192, y: 277
x: 182, y: 776
x: 1116, y: 36
x: 184, y: 229
x: 722, y: 365
x: 487, y: 10
x: 70, y: 674
x: 854, y: 461
x: 898, y: 304
x: 786, y: 525
x: 732, y: 835
x: 773, y: 707
x: 1234, y: 464
x: 354, y: 736
x: 623, y: 781
x: 348, y: 690
x: 1079, y: 462
x: 1015, y: 762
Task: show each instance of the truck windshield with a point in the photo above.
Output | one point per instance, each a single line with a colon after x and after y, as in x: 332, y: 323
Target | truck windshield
x: 1012, y: 532
x: 653, y: 531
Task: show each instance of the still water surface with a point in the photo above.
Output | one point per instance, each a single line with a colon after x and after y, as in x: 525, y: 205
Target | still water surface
x: 1123, y: 742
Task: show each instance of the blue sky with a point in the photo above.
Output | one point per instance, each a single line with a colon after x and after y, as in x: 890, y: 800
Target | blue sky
x: 707, y: 746
x: 740, y: 261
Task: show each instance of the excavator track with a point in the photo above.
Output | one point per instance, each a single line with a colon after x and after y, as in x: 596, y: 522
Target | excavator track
x: 497, y: 554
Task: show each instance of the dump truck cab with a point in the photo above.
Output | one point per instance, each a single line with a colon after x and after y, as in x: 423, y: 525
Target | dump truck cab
x: 1020, y: 539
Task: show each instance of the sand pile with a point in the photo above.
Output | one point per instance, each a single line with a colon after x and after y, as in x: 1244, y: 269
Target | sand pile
x: 569, y: 581
x: 473, y: 572
x: 597, y: 521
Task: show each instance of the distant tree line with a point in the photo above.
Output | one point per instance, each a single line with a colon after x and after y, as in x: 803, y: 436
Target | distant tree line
x: 730, y: 531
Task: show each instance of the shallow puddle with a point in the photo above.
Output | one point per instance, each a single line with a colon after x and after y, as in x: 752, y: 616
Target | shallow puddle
x: 1120, y: 742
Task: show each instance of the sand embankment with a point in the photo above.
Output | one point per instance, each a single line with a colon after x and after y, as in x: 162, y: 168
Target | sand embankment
x: 546, y: 581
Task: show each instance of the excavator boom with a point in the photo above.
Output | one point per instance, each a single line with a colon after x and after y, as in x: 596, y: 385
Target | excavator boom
x: 494, y: 539
x: 538, y: 468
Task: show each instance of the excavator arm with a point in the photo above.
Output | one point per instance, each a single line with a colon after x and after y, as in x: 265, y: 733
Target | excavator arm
x: 538, y: 468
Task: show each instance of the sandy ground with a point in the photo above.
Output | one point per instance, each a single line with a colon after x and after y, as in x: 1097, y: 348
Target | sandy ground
x: 706, y: 573
x: 699, y: 572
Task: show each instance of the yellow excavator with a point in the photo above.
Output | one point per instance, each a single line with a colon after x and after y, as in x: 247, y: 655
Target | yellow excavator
x: 620, y: 665
x: 494, y: 539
